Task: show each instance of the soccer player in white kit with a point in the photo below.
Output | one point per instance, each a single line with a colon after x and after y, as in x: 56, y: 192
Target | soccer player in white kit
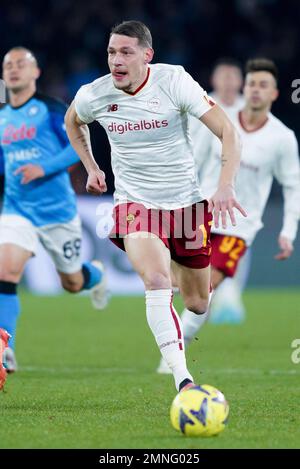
x: 270, y: 150
x: 227, y: 303
x: 144, y: 109
x: 227, y: 81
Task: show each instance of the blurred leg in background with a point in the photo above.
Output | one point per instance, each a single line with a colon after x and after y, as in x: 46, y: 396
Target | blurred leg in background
x: 227, y: 305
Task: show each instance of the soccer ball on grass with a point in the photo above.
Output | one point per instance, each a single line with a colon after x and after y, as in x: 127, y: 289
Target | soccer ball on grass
x: 199, y: 411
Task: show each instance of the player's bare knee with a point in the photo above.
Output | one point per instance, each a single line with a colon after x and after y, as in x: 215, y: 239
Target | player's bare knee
x: 70, y: 285
x: 9, y: 275
x: 196, y: 305
x: 157, y: 281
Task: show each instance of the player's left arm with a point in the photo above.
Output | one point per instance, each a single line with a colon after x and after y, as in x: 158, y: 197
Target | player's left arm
x: 59, y: 162
x: 224, y: 200
x: 287, y: 172
x: 191, y: 98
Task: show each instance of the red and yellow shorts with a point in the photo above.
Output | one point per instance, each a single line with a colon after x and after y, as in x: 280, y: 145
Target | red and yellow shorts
x: 226, y: 253
x: 184, y: 231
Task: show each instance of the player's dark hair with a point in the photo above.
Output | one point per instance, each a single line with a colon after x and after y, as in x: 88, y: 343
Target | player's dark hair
x: 134, y: 29
x: 229, y: 61
x: 262, y: 65
x: 24, y: 49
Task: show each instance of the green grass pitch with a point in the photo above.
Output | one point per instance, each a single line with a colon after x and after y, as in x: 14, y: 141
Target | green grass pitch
x: 87, y: 379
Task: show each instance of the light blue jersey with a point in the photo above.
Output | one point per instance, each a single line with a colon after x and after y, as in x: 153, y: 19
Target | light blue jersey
x: 35, y: 133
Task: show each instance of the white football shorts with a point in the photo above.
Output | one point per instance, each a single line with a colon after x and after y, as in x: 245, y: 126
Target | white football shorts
x: 62, y: 241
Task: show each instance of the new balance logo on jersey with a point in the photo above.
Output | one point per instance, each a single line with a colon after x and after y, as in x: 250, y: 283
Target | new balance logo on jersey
x: 14, y: 134
x: 112, y: 107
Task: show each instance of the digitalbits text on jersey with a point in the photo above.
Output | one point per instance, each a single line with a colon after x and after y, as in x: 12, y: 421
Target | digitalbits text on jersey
x: 136, y: 126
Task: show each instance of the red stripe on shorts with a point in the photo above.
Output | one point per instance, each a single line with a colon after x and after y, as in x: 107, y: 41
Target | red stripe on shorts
x: 176, y: 323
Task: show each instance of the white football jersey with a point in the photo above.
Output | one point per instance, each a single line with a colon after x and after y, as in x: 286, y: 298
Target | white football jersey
x: 271, y: 151
x: 151, y: 152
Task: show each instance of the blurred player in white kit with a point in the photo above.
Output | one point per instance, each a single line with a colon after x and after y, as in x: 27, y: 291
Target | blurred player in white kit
x: 227, y: 81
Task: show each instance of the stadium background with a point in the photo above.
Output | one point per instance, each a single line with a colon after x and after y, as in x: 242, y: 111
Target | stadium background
x: 70, y: 43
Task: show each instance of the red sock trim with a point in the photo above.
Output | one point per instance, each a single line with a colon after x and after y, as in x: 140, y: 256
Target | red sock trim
x: 174, y: 316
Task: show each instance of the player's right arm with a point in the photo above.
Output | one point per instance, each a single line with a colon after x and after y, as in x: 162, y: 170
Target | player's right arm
x: 79, y: 136
x: 287, y: 172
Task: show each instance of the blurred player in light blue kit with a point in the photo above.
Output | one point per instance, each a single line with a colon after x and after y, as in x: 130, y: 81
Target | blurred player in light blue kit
x: 39, y: 201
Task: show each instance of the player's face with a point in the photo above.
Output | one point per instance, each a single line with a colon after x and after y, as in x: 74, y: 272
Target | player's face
x: 19, y: 70
x: 227, y: 79
x: 260, y: 90
x: 127, y: 61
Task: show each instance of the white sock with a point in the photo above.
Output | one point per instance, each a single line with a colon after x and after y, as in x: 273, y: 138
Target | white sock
x: 192, y: 323
x: 166, y: 327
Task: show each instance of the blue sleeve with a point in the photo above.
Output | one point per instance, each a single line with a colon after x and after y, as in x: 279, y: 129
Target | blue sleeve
x: 60, y: 162
x: 58, y: 125
x: 1, y: 162
x: 67, y: 157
